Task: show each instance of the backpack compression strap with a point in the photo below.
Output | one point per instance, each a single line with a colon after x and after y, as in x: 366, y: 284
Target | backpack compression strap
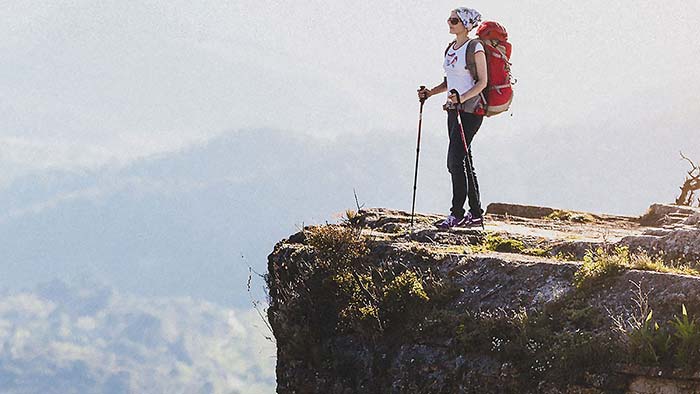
x: 471, y: 66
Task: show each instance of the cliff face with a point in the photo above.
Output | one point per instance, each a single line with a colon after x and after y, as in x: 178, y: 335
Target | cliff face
x: 540, y: 301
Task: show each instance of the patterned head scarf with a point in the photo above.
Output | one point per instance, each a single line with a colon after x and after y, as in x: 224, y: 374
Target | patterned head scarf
x: 470, y: 17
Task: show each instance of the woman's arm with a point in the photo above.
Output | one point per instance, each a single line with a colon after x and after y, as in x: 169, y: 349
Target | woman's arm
x: 431, y: 92
x: 482, y: 77
x: 441, y: 88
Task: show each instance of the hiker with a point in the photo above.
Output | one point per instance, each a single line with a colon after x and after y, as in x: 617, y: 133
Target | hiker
x: 468, y: 101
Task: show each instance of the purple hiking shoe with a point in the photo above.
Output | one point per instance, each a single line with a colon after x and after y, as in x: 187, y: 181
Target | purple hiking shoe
x: 470, y: 221
x: 449, y: 222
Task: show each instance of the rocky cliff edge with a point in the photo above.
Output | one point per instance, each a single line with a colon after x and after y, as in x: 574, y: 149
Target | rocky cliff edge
x: 540, y: 300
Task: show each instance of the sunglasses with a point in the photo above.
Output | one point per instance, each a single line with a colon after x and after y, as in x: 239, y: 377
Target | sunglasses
x: 454, y: 21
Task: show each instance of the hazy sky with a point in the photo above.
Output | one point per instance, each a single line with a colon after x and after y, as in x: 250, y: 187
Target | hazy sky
x: 87, y: 83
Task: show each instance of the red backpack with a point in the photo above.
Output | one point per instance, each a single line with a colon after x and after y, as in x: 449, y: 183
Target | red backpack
x: 499, y: 92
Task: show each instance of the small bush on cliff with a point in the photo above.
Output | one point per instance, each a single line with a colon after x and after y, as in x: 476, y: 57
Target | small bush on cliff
x: 570, y: 216
x: 686, y: 334
x: 305, y: 290
x: 646, y: 262
x: 674, y: 344
x: 338, y: 246
x: 405, y: 287
x: 496, y: 243
x: 369, y: 297
x: 648, y: 343
x: 602, y: 263
x: 380, y: 300
x: 358, y: 309
x: 599, y: 264
x: 402, y: 296
x: 536, y: 345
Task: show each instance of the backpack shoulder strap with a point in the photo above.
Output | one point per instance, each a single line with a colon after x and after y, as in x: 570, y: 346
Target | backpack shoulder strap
x: 448, y: 47
x: 471, y: 58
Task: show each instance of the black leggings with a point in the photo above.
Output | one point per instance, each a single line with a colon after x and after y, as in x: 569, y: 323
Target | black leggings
x: 464, y: 183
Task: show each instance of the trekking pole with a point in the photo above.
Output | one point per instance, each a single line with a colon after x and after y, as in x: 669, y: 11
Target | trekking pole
x: 415, y: 176
x: 466, y: 151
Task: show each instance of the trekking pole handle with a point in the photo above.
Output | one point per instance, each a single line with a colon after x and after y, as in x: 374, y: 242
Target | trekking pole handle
x: 422, y: 99
x: 456, y: 93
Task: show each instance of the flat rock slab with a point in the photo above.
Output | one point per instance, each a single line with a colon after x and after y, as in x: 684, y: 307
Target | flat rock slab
x: 674, y: 230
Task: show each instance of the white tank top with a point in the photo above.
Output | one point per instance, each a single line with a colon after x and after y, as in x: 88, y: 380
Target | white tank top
x: 455, y: 65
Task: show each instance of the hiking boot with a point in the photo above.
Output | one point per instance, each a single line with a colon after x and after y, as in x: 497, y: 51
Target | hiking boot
x: 449, y: 222
x: 470, y: 221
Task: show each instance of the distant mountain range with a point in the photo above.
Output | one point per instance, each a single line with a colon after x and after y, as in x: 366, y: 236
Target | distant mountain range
x: 189, y: 223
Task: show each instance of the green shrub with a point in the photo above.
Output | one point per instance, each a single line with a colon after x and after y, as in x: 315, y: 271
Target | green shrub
x: 403, y: 299
x: 337, y: 246
x: 565, y: 256
x: 368, y: 297
x: 536, y: 345
x: 536, y: 252
x: 672, y: 345
x: 559, y: 215
x: 570, y: 216
x: 649, y: 344
x: 406, y: 286
x: 358, y: 311
x: 646, y: 262
x: 599, y: 264
x: 496, y: 243
x: 686, y: 333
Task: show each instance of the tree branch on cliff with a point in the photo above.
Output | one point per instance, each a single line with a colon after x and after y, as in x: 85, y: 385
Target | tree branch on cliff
x: 369, y: 295
x: 364, y: 288
x: 357, y: 202
x: 691, y: 184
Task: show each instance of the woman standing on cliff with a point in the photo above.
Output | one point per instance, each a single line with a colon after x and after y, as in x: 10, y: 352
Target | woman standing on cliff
x: 459, y: 79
